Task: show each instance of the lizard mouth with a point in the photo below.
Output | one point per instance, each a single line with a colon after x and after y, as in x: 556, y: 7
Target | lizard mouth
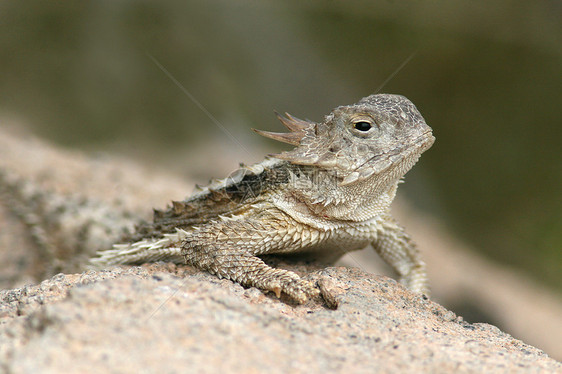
x: 382, y: 161
x: 424, y: 141
x: 421, y: 144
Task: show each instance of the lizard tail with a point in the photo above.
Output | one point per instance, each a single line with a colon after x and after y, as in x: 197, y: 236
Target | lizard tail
x: 167, y: 248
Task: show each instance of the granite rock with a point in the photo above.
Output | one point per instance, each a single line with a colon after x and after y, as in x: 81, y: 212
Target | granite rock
x: 163, y: 318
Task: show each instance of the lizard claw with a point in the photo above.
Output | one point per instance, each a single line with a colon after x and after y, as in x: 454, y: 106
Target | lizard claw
x: 277, y: 291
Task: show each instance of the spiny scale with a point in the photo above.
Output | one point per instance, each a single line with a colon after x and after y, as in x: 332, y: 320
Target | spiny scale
x: 296, y: 126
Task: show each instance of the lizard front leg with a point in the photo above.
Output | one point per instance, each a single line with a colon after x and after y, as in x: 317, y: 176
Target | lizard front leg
x: 228, y: 248
x: 398, y: 250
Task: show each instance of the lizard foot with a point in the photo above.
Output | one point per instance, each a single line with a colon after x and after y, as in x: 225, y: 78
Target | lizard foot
x: 291, y: 284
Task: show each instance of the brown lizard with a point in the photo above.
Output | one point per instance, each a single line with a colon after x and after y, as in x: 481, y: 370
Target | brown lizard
x: 330, y: 195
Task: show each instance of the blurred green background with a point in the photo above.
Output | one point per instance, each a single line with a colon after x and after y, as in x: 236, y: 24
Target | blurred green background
x: 487, y: 76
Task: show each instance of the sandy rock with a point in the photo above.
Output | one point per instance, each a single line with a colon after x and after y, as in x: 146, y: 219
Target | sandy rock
x: 162, y: 318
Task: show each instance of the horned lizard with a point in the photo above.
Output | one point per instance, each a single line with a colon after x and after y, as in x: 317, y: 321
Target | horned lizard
x: 330, y: 195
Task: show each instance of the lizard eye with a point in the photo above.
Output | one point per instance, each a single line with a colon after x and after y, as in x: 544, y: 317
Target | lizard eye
x: 362, y: 126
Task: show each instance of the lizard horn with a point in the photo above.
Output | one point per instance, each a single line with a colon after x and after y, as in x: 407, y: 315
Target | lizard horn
x: 296, y: 126
x: 293, y: 138
x: 293, y: 123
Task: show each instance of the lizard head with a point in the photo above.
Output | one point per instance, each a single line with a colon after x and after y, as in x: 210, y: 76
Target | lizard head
x: 360, y: 140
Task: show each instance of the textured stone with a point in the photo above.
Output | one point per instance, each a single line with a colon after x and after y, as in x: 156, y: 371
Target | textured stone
x: 163, y: 318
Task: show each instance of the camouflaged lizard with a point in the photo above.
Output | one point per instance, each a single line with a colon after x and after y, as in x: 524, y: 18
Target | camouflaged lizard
x: 330, y: 195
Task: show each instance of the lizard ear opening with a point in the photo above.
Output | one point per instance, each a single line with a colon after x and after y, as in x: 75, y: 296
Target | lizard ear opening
x: 296, y: 126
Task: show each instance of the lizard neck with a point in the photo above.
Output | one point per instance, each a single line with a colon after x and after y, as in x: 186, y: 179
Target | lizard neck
x: 365, y: 199
x: 361, y: 201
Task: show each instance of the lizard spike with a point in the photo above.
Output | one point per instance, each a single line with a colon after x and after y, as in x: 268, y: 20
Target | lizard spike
x: 217, y: 195
x: 327, y: 160
x: 350, y: 178
x: 293, y: 138
x: 178, y: 207
x: 293, y: 123
x: 157, y: 213
x: 296, y: 126
x: 297, y: 158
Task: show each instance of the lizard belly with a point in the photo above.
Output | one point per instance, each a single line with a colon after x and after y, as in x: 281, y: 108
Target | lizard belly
x: 331, y: 239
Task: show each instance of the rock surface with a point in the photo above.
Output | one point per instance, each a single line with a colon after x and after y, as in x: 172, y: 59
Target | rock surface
x: 162, y: 318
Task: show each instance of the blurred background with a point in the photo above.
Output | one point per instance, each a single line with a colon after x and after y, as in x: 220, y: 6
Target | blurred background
x: 130, y: 77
